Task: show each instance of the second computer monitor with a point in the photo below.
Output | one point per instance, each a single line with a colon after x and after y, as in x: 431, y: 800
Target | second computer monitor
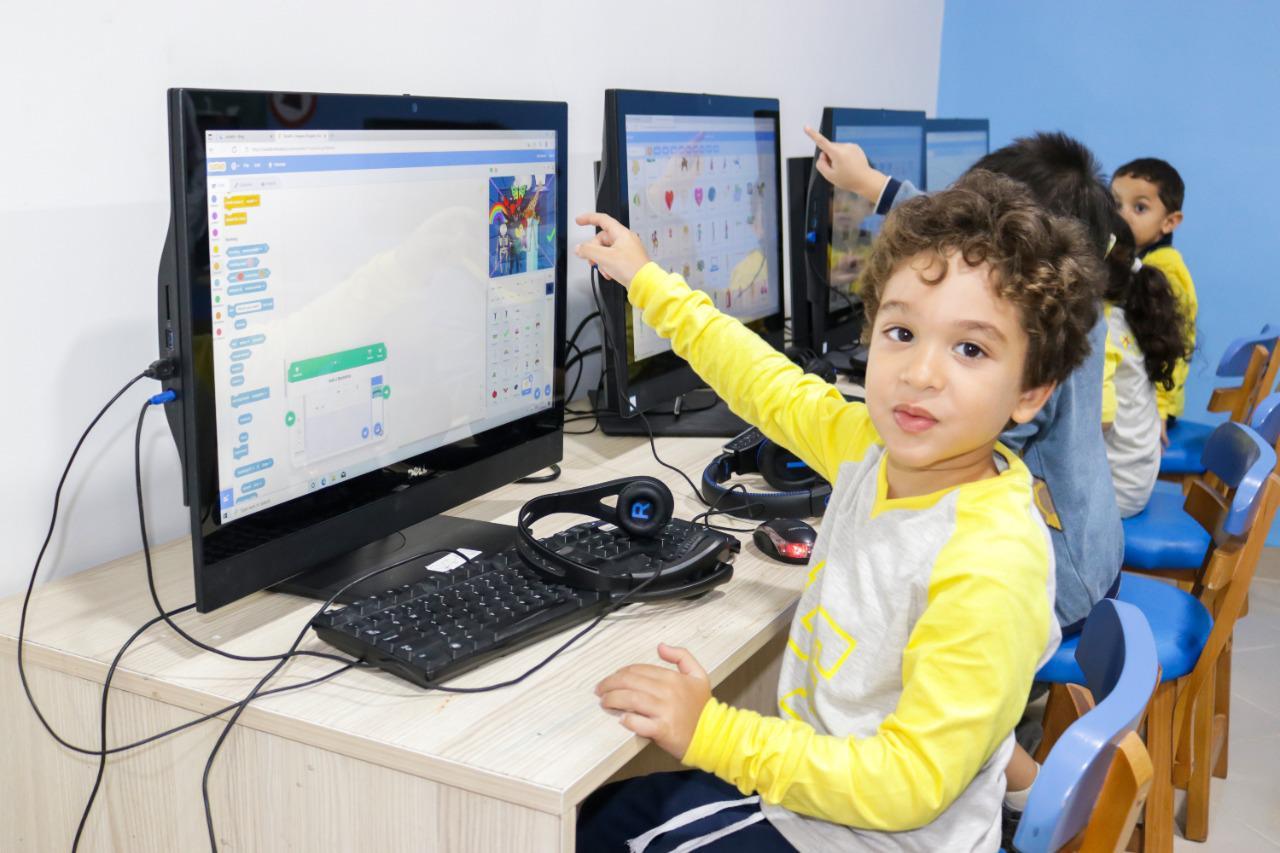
x: 894, y: 144
x: 698, y: 177
x: 952, y: 145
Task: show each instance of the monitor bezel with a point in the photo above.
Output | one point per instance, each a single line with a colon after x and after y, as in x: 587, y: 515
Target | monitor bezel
x: 952, y: 125
x: 622, y: 395
x: 306, y: 531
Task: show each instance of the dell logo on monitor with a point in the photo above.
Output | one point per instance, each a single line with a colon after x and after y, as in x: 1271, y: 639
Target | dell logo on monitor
x: 641, y: 510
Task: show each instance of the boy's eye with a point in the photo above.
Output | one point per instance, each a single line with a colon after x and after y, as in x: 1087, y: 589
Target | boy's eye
x: 1140, y: 208
x: 969, y: 350
x: 899, y: 334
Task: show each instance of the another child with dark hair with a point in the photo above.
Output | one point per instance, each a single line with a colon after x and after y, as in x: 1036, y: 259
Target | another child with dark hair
x: 928, y: 604
x: 1062, y: 446
x: 1149, y: 194
x: 1145, y: 343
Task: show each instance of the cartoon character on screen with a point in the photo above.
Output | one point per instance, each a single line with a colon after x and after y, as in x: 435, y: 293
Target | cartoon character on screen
x: 505, y: 247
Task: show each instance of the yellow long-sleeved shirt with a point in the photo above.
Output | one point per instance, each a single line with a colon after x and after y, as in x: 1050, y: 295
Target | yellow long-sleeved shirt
x: 915, y: 641
x: 1169, y: 261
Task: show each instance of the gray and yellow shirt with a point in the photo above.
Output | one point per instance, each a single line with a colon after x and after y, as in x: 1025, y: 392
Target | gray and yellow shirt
x: 922, y: 622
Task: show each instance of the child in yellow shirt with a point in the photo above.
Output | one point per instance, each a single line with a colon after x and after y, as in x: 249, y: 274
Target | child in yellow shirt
x: 929, y: 600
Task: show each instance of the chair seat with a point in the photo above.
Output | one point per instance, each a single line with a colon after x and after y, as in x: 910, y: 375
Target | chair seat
x: 1163, y: 536
x: 1180, y: 623
x: 1186, y: 444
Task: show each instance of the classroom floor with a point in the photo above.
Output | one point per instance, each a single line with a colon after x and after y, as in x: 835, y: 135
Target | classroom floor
x: 1245, y: 808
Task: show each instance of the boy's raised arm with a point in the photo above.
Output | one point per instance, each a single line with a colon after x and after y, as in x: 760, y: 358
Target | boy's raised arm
x: 798, y: 410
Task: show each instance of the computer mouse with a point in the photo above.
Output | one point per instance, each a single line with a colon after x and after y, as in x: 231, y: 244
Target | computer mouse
x: 787, y: 539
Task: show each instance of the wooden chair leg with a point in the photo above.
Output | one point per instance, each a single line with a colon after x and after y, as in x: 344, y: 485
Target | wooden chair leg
x: 1222, y: 706
x: 1059, y: 714
x: 1157, y: 830
x: 1200, y: 757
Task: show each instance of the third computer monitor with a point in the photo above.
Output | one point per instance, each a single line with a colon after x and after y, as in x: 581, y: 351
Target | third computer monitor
x: 698, y: 177
x: 952, y: 145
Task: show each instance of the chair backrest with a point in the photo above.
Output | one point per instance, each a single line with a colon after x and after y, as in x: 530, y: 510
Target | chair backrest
x: 1242, y: 460
x: 1117, y: 654
x: 1223, y: 585
x: 1266, y: 420
x: 1236, y: 357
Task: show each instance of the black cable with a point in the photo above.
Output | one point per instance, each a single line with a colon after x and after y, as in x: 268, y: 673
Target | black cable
x: 573, y: 339
x: 151, y: 584
x: 35, y: 569
x: 544, y: 478
x: 715, y: 509
x: 653, y: 447
x: 102, y: 730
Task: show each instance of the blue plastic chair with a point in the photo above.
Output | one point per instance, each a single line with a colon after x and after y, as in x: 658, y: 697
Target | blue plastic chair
x: 1117, y: 654
x: 1187, y: 438
x: 1190, y: 640
x: 1243, y: 460
x: 1266, y: 420
x: 1165, y: 537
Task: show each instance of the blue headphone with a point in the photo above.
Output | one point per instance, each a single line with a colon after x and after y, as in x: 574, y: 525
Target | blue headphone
x: 800, y: 492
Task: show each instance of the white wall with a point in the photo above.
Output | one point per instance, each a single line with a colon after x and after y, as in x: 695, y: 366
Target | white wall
x: 83, y: 204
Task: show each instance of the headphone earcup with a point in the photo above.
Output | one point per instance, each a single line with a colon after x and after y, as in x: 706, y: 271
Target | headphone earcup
x: 644, y: 507
x: 783, y: 470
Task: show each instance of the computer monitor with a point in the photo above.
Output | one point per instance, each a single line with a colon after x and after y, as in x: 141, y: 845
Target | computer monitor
x: 366, y: 298
x: 951, y: 146
x: 841, y: 225
x: 698, y: 177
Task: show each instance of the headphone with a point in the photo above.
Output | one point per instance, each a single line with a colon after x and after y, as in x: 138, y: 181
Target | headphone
x: 643, y: 511
x: 801, y: 493
x: 810, y: 362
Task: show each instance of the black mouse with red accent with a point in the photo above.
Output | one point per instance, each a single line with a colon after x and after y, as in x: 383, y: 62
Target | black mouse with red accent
x: 787, y: 539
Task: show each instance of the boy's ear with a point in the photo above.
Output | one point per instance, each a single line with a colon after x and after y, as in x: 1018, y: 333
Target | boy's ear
x: 1031, y: 401
x: 1171, y: 222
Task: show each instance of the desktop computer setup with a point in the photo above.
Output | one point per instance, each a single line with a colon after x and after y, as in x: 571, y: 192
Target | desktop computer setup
x: 361, y: 323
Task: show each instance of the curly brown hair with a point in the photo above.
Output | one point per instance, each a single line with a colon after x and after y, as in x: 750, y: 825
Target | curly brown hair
x: 1042, y: 264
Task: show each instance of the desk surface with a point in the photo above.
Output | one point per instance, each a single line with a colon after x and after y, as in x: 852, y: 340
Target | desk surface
x: 544, y: 744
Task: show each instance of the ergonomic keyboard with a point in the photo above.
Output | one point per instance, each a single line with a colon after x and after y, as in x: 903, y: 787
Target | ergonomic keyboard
x: 449, y: 622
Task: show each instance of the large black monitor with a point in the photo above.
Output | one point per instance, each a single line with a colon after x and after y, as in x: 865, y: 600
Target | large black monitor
x: 698, y: 177
x: 366, y: 297
x: 951, y: 146
x: 841, y: 225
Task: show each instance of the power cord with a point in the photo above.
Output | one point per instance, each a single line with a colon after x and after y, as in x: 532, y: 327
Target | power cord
x: 160, y: 369
x: 544, y: 478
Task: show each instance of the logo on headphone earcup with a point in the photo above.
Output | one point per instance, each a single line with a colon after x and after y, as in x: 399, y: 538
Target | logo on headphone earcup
x: 644, y: 507
x: 783, y: 470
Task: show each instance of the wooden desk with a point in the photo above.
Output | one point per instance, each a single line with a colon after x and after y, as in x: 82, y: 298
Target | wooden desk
x: 365, y: 761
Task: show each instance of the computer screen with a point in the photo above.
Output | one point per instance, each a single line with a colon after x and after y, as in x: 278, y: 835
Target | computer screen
x: 384, y: 296
x: 840, y: 226
x: 894, y: 144
x: 951, y: 146
x: 349, y: 269
x: 698, y: 178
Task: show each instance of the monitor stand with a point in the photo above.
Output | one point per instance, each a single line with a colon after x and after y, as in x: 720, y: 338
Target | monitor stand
x: 441, y: 531
x: 703, y: 415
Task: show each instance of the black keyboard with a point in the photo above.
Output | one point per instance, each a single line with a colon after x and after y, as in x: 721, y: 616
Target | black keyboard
x: 449, y: 622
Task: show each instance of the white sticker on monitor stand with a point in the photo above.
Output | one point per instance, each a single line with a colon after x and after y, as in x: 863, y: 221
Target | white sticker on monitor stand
x: 449, y: 562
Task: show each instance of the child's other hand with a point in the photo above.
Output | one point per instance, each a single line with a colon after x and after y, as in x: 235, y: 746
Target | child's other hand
x: 845, y: 165
x: 615, y: 251
x: 658, y: 703
x: 1164, y: 432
